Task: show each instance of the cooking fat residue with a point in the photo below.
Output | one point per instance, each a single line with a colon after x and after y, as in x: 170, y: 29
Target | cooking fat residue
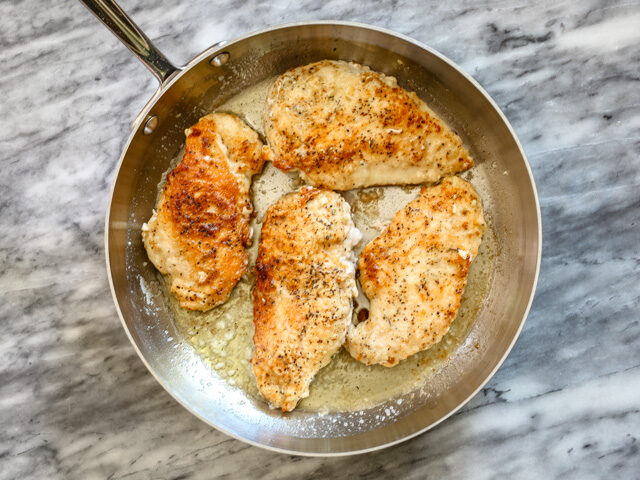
x: 223, y: 336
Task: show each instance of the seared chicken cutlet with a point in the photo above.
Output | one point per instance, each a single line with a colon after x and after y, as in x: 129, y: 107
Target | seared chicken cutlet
x: 415, y: 271
x: 345, y: 126
x: 198, y: 233
x: 305, y: 285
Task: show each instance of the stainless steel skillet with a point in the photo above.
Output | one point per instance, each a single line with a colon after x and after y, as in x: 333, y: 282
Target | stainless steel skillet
x: 187, y: 93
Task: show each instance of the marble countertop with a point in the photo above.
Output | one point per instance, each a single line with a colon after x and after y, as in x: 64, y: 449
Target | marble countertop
x: 76, y: 402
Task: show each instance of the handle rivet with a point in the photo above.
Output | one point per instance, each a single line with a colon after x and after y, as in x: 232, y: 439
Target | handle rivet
x: 150, y: 125
x: 220, y: 59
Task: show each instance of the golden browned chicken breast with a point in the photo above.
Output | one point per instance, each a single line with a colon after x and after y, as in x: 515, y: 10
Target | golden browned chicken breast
x: 415, y: 271
x: 305, y: 285
x: 198, y: 233
x: 345, y: 126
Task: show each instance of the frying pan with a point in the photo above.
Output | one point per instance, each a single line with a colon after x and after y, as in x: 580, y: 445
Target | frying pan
x: 189, y: 92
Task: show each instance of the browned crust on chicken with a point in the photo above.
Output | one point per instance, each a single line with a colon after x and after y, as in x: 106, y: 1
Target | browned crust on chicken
x: 302, y: 299
x: 414, y: 273
x: 200, y: 229
x: 345, y: 126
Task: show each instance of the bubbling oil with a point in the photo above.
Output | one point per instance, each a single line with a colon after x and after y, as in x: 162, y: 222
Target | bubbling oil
x: 224, y: 336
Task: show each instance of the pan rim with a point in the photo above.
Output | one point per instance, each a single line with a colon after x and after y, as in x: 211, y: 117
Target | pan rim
x: 220, y: 46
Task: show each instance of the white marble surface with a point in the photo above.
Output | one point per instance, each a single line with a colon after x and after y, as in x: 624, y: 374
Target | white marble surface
x: 75, y: 401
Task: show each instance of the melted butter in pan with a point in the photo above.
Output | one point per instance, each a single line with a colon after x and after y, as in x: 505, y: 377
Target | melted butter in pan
x: 223, y: 336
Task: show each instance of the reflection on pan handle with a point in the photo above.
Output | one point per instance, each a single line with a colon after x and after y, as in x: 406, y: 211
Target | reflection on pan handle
x: 114, y: 18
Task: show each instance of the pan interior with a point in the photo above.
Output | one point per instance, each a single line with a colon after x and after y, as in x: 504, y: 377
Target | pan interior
x: 223, y: 335
x: 496, y: 309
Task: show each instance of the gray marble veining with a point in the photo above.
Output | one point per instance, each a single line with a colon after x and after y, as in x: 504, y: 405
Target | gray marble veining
x: 75, y: 401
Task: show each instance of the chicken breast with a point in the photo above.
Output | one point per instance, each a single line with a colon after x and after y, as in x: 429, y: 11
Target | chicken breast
x: 345, y: 126
x: 415, y: 271
x: 305, y: 285
x: 199, y: 231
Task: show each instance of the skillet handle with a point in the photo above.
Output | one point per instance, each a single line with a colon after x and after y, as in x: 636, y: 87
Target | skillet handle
x: 114, y: 18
